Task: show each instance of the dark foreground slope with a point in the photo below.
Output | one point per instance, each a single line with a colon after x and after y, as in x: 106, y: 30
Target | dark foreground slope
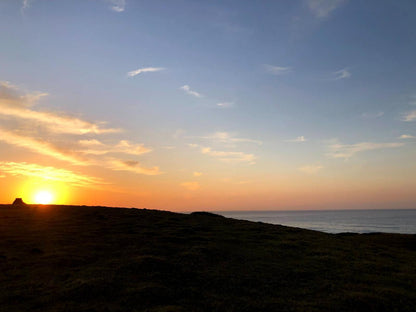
x: 63, y: 258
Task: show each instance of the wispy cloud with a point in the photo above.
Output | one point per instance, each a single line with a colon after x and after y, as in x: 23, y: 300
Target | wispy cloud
x: 347, y: 151
x: 277, y: 70
x: 197, y: 174
x: 323, y: 8
x: 410, y: 116
x: 372, y: 115
x: 132, y: 166
x: 96, y: 147
x: 118, y: 5
x: 76, y: 158
x: 228, y: 138
x: 126, y: 147
x: 298, y: 139
x: 192, y: 186
x: 41, y: 147
x: 25, y: 5
x: 407, y: 136
x: 188, y: 90
x: 230, y: 156
x: 56, y: 123
x: 310, y: 169
x: 10, y: 95
x: 49, y: 173
x: 225, y: 104
x: 144, y: 70
x: 53, y: 135
x: 14, y: 104
x: 229, y: 141
x: 342, y: 74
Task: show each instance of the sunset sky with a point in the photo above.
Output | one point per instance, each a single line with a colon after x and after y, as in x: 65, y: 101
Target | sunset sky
x: 209, y: 105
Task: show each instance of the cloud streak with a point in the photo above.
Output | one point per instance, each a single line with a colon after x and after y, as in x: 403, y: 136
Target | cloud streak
x: 55, y: 123
x: 277, y: 70
x: 372, y: 115
x: 75, y: 158
x: 10, y: 95
x: 118, y: 5
x: 225, y: 104
x: 12, y: 104
x: 144, y: 70
x: 188, y: 90
x: 323, y: 8
x: 228, y: 138
x: 45, y: 132
x: 96, y: 147
x: 49, y: 173
x: 132, y: 166
x: 342, y: 74
x: 410, y: 116
x: 40, y: 147
x: 406, y: 136
x: 298, y: 139
x: 25, y: 4
x: 229, y: 157
x: 347, y: 151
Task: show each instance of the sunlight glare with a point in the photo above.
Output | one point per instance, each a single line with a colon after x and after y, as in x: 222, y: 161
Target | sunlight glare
x: 43, y: 197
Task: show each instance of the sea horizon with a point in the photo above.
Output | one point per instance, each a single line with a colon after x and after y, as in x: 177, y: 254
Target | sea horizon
x: 400, y: 221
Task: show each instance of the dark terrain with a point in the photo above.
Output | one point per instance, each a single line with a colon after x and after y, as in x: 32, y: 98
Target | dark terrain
x: 78, y: 258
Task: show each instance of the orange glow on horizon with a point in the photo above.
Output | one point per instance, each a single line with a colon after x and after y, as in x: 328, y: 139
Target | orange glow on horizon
x: 43, y: 192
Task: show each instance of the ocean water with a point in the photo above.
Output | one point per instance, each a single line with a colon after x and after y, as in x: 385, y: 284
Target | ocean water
x: 336, y: 221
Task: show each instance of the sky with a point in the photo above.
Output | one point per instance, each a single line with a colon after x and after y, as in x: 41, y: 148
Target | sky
x: 188, y: 105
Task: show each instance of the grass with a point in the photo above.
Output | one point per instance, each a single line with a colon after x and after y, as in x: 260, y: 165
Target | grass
x: 78, y: 258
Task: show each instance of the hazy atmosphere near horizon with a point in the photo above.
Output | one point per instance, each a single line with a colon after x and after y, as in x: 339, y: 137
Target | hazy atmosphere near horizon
x: 209, y: 105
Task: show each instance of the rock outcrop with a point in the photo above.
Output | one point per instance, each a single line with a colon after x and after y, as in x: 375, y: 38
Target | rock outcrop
x: 19, y: 202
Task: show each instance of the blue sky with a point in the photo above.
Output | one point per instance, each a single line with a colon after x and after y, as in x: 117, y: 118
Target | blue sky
x: 292, y: 104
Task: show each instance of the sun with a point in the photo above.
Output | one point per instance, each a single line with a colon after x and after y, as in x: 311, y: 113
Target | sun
x: 43, y: 197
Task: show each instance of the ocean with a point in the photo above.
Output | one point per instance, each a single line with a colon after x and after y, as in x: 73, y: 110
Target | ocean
x: 336, y: 221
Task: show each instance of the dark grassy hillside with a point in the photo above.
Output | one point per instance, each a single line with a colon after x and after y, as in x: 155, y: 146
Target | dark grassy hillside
x: 65, y: 258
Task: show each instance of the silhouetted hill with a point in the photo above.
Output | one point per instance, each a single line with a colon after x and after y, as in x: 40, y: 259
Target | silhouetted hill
x: 78, y: 258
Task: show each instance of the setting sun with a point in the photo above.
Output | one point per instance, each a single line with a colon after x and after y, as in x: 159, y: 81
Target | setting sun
x: 43, y: 197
